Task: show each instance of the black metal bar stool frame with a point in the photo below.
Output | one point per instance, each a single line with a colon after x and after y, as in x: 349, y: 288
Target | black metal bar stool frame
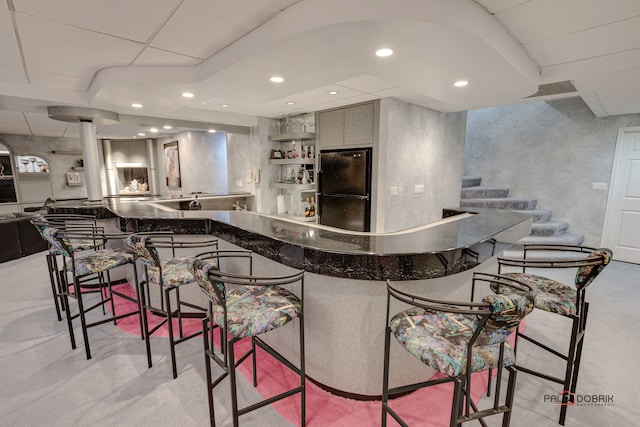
x: 463, y: 408
x: 63, y: 240
x: 573, y: 355
x: 151, y: 258
x: 226, y: 362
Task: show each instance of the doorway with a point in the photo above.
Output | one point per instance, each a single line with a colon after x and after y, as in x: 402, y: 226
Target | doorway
x: 621, y: 231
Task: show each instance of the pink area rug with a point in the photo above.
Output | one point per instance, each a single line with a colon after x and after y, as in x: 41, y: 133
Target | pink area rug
x: 426, y: 407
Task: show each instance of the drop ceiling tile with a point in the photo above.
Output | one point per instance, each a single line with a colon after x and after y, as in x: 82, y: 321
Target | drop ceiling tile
x: 65, y: 81
x: 366, y: 83
x: 538, y: 20
x: 590, y: 43
x: 42, y: 125
x: 62, y: 49
x: 133, y: 20
x: 12, y: 74
x: 200, y: 28
x: 153, y: 56
x: 494, y: 6
x: 13, y: 122
x: 9, y: 52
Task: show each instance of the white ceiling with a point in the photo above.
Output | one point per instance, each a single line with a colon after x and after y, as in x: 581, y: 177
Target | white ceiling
x: 107, y: 54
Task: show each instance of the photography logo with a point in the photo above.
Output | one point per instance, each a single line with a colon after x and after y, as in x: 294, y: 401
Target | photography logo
x: 566, y: 398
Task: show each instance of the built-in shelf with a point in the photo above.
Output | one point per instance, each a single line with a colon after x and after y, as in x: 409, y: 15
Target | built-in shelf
x: 77, y: 168
x: 74, y: 184
x: 292, y: 136
x: 288, y: 186
x: 297, y: 161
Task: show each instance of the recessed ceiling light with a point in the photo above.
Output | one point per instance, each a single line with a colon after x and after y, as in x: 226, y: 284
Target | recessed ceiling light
x: 167, y: 127
x: 384, y: 52
x: 142, y: 134
x: 333, y: 92
x: 277, y: 79
x: 187, y: 94
x: 224, y: 105
x: 461, y: 83
x: 291, y: 103
x: 212, y: 131
x: 154, y: 130
x: 136, y: 105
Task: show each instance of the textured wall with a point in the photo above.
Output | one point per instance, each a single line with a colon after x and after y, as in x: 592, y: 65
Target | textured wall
x: 59, y: 164
x: 203, y: 163
x: 552, y: 151
x: 417, y: 146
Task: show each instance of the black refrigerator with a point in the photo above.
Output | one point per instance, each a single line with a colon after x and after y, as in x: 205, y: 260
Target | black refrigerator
x: 344, y: 191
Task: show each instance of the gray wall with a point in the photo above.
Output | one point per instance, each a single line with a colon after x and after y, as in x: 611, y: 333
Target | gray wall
x: 59, y: 164
x: 551, y: 151
x: 203, y: 163
x: 416, y: 146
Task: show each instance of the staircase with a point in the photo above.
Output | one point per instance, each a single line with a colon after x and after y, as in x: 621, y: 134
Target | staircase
x: 543, y: 229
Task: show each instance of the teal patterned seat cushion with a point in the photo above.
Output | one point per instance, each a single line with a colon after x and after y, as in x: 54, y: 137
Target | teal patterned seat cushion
x: 440, y: 341
x: 440, y: 338
x: 78, y: 245
x: 253, y: 310
x: 551, y: 295
x: 175, y: 272
x: 90, y: 262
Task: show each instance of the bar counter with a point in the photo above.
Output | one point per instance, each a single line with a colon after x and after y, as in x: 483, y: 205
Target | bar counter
x: 346, y: 272
x: 449, y: 246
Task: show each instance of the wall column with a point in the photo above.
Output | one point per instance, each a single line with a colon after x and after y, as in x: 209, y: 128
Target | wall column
x: 153, y: 168
x: 91, y: 160
x: 88, y: 141
x: 112, y: 189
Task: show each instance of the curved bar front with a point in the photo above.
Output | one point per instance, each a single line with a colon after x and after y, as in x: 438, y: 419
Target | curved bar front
x: 346, y: 273
x: 446, y: 247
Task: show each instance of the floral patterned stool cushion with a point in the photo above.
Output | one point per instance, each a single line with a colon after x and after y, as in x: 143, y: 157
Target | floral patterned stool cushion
x: 78, y: 245
x: 551, y: 295
x: 253, y: 310
x: 440, y: 339
x: 90, y: 262
x: 175, y: 272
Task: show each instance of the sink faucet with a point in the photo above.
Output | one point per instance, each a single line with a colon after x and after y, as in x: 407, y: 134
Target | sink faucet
x: 237, y: 206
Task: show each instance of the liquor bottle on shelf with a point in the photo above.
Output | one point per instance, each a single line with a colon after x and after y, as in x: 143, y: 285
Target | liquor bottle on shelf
x: 307, y: 208
x: 312, y: 208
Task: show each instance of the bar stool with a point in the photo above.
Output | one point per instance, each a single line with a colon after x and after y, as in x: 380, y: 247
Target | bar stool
x: 558, y: 298
x: 96, y: 263
x: 169, y: 275
x: 62, y: 221
x: 442, y: 335
x: 245, y: 306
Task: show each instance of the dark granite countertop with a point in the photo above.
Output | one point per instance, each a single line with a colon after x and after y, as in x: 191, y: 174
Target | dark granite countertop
x: 445, y: 247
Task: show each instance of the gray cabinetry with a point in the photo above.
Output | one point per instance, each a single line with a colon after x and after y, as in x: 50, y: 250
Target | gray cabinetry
x: 128, y: 152
x: 348, y: 127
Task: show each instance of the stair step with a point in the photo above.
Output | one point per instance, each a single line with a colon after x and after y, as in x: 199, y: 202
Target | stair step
x: 538, y: 215
x: 481, y: 192
x: 549, y: 228
x: 471, y: 181
x: 562, y: 239
x: 513, y: 203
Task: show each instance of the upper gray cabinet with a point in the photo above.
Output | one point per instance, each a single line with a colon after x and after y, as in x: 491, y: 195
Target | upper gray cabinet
x: 348, y: 127
x: 128, y: 152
